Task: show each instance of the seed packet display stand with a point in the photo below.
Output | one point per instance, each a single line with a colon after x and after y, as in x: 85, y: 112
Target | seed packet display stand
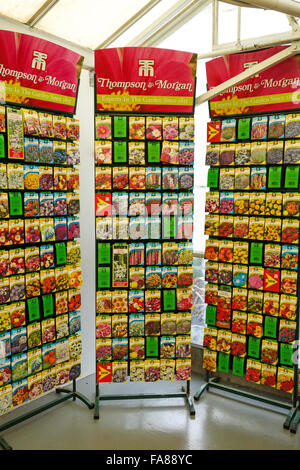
x: 212, y: 380
x: 185, y: 393
x: 67, y: 394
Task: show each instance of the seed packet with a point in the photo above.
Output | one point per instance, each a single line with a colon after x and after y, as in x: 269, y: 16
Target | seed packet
x: 212, y: 202
x: 273, y: 204
x: 211, y: 224
x: 3, y: 176
x: 242, y: 153
x: 4, y: 210
x: 31, y: 150
x: 184, y: 299
x: 2, y: 119
x: 289, y: 257
x: 226, y: 180
x: 15, y: 176
x: 103, y: 302
x: 268, y: 375
x: 242, y: 178
x: 211, y: 252
x: 185, y: 277
x: 35, y: 206
x: 103, y: 326
x: 276, y: 126
x: 256, y: 228
x: 287, y: 331
x: 31, y: 177
x: 30, y: 122
x: 59, y: 152
x: 213, y: 131
x: 137, y: 178
x: 60, y: 228
x: 136, y: 153
x: 103, y: 127
x: 60, y: 127
x: 104, y: 229
x: 269, y: 352
x: 291, y: 151
x: 255, y: 301
x: 239, y: 322
x: 169, y: 153
x: 153, y: 128
x: 136, y: 127
x: 186, y: 178
x: 185, y: 228
x: 241, y: 226
x: 152, y: 301
x: 75, y: 276
x: 210, y: 338
x: 73, y: 205
x: 257, y: 202
x: 61, y: 278
x: 253, y: 370
x: 292, y: 126
x: 170, y: 178
x: 153, y: 204
x: 271, y: 304
x: 137, y: 204
x: 167, y: 347
x: 103, y: 152
x: 136, y: 254
x: 240, y: 275
x: 185, y: 253
x: 258, y: 153
x: 121, y: 228
x: 288, y: 284
x: 103, y: 349
x: 75, y: 346
x: 228, y: 130
x: 47, y: 230
x: 225, y: 274
x: 46, y: 178
x: 72, y: 128
x: 47, y: 279
x: 226, y: 226
x: 35, y: 386
x: 239, y: 299
x: 119, y: 302
x: 18, y: 342
x: 15, y: 133
x: 45, y: 125
x: 226, y: 203
x: 254, y: 325
x: 62, y: 330
x: 170, y: 254
x: 47, y: 256
x: 213, y: 178
x: 275, y: 152
x: 103, y: 204
x: 153, y: 178
x: 183, y: 323
x: 186, y: 128
x: 120, y: 178
x: 137, y: 371
x: 32, y: 259
x: 256, y: 278
x: 32, y: 285
x: 241, y: 203
x: 291, y: 205
x: 4, y: 233
x: 60, y: 179
x: 211, y: 272
x: 120, y: 349
x: 227, y: 154
x: 4, y: 263
x: 136, y: 348
x: 285, y: 379
x: 259, y: 127
x: 186, y: 153
x: 170, y: 128
x: 19, y: 392
x: 153, y: 254
x: 258, y: 178
x: 210, y: 360
x: 61, y: 303
x: 290, y: 231
x: 153, y: 277
x: 212, y: 155
x: 6, y: 320
x: 46, y: 151
x: 224, y: 341
x: 59, y: 204
x: 5, y: 345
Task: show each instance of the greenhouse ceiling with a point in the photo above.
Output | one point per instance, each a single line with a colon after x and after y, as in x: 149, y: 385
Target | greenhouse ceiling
x: 208, y: 27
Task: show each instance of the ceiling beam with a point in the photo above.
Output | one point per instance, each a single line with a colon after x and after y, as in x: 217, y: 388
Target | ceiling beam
x: 249, y: 72
x: 290, y: 7
x: 125, y: 26
x: 157, y: 23
x: 175, y: 22
x: 251, y: 44
x: 41, y: 12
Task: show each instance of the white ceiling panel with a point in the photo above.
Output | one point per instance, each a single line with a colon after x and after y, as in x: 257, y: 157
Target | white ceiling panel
x: 20, y: 10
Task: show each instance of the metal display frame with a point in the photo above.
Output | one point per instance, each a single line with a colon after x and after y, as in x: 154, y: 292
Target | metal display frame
x: 213, y: 381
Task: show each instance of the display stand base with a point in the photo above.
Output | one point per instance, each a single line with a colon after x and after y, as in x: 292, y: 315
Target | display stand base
x: 291, y: 420
x: 143, y: 396
x: 70, y: 394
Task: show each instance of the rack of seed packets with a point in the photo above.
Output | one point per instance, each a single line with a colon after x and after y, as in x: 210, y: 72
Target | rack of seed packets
x: 252, y: 250
x: 40, y: 274
x: 144, y: 223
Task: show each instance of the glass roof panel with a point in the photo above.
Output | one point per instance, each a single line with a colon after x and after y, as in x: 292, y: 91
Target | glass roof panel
x: 20, y: 10
x: 89, y: 22
x: 257, y: 22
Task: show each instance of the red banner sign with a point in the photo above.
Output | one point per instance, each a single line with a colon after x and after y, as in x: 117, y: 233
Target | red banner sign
x: 38, y: 73
x: 145, y: 79
x: 275, y: 89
